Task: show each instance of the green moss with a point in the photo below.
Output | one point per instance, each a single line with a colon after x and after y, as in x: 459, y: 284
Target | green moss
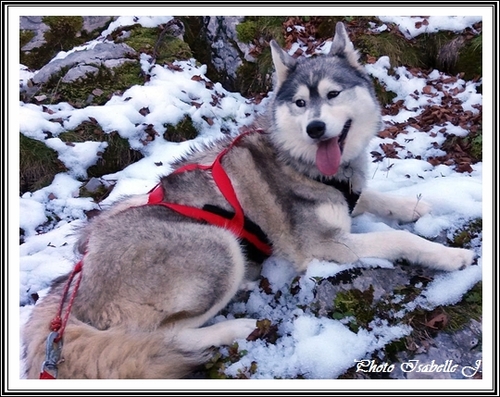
x: 38, y: 164
x: 470, y: 60
x: 94, y: 88
x: 463, y: 236
x: 399, y: 50
x: 158, y: 43
x: 452, y: 54
x: 426, y: 324
x: 194, y: 36
x: 62, y: 35
x: 261, y: 28
x: 477, y: 145
x: 25, y: 36
x: 384, y: 96
x: 246, y: 31
x: 254, y: 78
x: 117, y: 155
x: 63, y: 31
x: 356, y: 304
x: 326, y: 27
x: 184, y: 130
x: 214, y: 369
x: 470, y: 307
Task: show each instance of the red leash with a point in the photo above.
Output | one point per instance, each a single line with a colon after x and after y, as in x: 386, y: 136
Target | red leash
x: 58, y: 325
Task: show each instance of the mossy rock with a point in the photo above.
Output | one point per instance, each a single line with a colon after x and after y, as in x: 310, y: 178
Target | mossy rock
x: 95, y: 88
x: 158, y: 43
x: 25, y: 36
x: 117, y: 155
x: 38, y: 164
x: 355, y: 304
x: 63, y: 34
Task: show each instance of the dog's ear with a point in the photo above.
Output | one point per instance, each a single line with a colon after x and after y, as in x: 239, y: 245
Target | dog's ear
x: 343, y: 47
x: 283, y: 63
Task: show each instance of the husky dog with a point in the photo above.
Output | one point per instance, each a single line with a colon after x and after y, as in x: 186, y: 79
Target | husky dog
x: 152, y: 276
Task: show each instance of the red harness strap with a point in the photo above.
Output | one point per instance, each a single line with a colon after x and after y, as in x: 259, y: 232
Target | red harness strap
x: 221, y: 179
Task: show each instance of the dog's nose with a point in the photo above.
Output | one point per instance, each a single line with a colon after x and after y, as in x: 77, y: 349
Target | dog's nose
x: 316, y: 129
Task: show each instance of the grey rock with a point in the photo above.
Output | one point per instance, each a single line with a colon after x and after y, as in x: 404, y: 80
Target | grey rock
x: 96, y: 56
x: 93, y: 185
x: 79, y: 72
x: 461, y: 350
x: 227, y: 51
x: 93, y: 23
x: 36, y: 25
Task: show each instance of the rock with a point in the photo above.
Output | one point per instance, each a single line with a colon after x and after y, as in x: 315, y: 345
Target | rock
x: 85, y: 61
x: 93, y: 185
x: 78, y: 72
x: 36, y: 25
x: 461, y: 349
x: 93, y: 23
x: 227, y: 51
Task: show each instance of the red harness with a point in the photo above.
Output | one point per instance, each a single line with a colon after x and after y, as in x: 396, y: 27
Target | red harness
x: 235, y: 223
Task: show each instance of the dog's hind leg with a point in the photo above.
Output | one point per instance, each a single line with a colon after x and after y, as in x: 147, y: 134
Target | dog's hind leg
x: 219, y: 334
x: 398, y: 244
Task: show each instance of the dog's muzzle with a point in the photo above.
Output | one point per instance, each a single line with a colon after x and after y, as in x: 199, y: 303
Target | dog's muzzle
x: 316, y: 130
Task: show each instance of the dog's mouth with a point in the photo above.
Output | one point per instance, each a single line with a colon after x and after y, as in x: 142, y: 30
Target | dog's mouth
x: 329, y: 152
x: 343, y: 134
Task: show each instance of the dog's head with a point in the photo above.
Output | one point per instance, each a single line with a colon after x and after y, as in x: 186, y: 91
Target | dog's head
x: 324, y: 109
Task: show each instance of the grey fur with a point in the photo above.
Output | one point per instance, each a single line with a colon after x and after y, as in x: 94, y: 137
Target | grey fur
x: 152, y: 278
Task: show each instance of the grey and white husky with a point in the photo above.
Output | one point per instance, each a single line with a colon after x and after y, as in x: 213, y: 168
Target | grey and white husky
x: 152, y: 276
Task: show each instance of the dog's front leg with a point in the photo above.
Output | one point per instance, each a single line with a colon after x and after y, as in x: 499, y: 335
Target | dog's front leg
x: 398, y: 244
x: 400, y: 208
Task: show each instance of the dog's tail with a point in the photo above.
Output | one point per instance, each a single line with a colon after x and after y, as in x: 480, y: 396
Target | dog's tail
x: 115, y: 353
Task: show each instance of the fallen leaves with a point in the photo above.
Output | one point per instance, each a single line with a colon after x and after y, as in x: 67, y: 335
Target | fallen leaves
x: 434, y: 119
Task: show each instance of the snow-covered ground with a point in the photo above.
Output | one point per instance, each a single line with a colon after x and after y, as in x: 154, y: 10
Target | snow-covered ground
x: 317, y: 347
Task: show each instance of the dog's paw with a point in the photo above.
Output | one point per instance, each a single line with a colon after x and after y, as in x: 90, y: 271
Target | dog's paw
x: 455, y: 259
x: 242, y: 327
x: 400, y: 208
x: 421, y: 208
x: 410, y: 209
x: 249, y: 285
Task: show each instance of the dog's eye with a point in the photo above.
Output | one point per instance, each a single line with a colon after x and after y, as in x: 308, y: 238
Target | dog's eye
x: 300, y: 103
x: 332, y: 94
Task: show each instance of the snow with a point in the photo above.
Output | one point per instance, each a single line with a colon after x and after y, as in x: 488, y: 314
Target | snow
x: 414, y: 26
x: 307, y: 346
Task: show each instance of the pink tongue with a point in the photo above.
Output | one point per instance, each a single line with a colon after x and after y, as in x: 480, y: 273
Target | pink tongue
x: 328, y: 156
